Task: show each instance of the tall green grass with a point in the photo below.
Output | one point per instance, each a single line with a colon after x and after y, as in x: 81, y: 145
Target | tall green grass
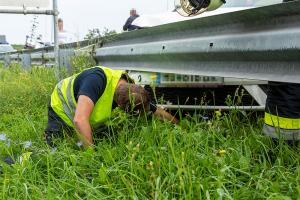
x: 226, y: 157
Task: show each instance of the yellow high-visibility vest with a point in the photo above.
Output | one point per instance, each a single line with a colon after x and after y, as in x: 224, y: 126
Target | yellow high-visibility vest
x: 64, y: 104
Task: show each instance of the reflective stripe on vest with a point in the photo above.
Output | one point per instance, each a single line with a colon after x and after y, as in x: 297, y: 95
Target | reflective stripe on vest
x: 281, y: 122
x: 280, y: 133
x: 69, y: 107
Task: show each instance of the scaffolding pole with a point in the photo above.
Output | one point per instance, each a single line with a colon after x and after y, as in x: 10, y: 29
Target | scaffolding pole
x: 56, y: 45
x: 54, y: 13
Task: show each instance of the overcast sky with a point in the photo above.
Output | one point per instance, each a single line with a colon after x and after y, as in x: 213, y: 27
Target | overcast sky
x: 79, y: 16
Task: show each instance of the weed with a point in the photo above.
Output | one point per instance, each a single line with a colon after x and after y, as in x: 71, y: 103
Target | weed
x: 81, y: 62
x: 225, y: 157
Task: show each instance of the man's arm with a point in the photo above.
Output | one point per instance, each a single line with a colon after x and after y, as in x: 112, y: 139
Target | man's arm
x: 163, y: 115
x: 127, y: 24
x: 81, y: 121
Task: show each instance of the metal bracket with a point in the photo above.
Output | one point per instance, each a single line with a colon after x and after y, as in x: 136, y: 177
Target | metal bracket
x: 257, y: 93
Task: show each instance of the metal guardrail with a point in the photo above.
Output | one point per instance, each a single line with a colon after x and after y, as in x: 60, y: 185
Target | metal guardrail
x: 260, y: 43
x: 46, y: 56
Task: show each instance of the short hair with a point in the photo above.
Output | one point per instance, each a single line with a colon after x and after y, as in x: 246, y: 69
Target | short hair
x: 133, y: 11
x: 133, y: 98
x: 127, y: 78
x: 60, y: 20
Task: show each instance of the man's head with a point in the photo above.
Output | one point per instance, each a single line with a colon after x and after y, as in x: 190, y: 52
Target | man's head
x: 60, y: 25
x: 133, y: 12
x: 132, y: 98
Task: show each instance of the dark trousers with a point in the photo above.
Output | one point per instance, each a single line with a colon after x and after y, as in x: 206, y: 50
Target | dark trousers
x: 57, y: 128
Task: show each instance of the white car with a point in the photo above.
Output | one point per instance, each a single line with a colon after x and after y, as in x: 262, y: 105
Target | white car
x: 170, y: 17
x: 6, y: 48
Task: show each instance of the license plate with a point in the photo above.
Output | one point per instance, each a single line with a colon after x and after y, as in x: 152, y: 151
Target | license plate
x: 161, y: 79
x: 189, y: 79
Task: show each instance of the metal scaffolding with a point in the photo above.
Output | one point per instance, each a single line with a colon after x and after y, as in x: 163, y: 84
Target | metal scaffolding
x: 22, y: 8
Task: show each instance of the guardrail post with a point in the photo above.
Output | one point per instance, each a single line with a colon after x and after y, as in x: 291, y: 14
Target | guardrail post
x: 7, y: 61
x: 56, y: 45
x: 26, y: 61
x: 65, y: 58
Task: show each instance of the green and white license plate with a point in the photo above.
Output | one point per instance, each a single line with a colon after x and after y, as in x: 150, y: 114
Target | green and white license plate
x: 163, y: 79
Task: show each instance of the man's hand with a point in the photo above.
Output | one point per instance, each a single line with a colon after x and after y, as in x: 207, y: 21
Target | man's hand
x: 81, y: 121
x: 164, y: 115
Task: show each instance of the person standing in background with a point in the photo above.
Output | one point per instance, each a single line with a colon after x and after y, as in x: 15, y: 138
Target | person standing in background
x: 64, y: 36
x: 128, y: 25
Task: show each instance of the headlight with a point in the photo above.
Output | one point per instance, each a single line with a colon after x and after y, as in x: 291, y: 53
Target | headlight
x: 190, y: 8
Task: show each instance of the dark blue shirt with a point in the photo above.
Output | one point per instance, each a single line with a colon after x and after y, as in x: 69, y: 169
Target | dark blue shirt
x: 91, y: 83
x: 128, y: 25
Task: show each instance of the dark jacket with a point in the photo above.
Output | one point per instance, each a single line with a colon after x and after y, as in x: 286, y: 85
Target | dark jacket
x: 128, y: 25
